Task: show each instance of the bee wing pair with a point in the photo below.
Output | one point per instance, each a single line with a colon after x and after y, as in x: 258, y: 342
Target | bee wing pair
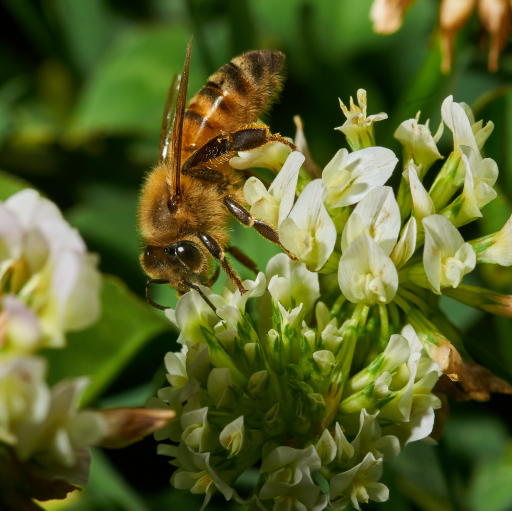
x: 171, y: 133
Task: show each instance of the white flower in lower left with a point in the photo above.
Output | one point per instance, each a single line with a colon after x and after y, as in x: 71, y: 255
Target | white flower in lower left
x: 24, y: 395
x: 58, y: 443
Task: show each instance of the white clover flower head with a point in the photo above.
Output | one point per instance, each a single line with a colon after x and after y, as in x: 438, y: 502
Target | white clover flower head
x: 58, y: 443
x: 49, y: 269
x: 359, y: 483
x: 271, y: 156
x: 366, y: 273
x: 358, y: 128
x: 418, y: 143
x: 446, y: 257
x: 274, y: 205
x: 350, y: 176
x: 292, y: 391
x: 308, y: 232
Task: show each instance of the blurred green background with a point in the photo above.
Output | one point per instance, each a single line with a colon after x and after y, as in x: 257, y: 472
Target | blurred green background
x: 82, y: 88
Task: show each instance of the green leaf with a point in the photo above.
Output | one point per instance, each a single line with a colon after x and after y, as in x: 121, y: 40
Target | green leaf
x: 127, y: 91
x: 101, y: 352
x: 77, y: 18
x: 490, y: 488
x: 418, y: 475
x: 9, y: 185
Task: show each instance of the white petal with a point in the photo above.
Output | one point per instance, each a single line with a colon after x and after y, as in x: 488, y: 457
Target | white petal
x: 380, y: 217
x: 442, y: 240
x: 284, y: 185
x: 422, y: 203
x: 406, y: 245
x: 366, y: 274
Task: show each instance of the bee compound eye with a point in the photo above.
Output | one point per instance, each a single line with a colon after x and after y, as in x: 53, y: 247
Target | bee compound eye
x: 170, y: 250
x: 190, y: 255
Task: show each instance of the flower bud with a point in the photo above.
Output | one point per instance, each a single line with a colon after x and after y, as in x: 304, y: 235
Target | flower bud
x: 257, y: 386
x: 495, y: 248
x: 344, y: 451
x: 396, y: 353
x: 316, y: 406
x: 326, y: 448
x: 324, y: 363
x: 197, y: 433
x: 233, y: 437
x: 483, y: 299
x: 369, y: 397
x: 219, y: 388
x: 125, y: 426
x: 301, y: 421
x: 418, y: 143
x: 198, y: 362
x: 274, y: 421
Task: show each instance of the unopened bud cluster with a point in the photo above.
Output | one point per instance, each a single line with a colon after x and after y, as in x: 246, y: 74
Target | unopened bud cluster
x: 326, y: 378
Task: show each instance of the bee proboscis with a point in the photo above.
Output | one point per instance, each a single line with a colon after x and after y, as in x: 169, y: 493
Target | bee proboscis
x: 185, y: 207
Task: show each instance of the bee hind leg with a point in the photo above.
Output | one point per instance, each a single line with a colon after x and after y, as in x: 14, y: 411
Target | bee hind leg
x: 246, y: 218
x: 218, y: 253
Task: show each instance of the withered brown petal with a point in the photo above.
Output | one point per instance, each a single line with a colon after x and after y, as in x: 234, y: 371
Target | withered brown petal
x: 129, y: 425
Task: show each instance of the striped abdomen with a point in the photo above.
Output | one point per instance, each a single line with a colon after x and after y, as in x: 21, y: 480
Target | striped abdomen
x: 233, y: 97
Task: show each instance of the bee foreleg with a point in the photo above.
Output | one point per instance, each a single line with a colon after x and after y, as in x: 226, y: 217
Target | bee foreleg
x: 246, y: 218
x: 148, y: 292
x: 216, y: 251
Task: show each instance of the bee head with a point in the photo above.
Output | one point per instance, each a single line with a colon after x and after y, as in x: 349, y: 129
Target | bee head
x: 181, y: 261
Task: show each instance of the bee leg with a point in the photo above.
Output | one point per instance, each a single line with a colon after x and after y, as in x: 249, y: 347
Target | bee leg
x: 216, y: 251
x: 245, y: 139
x: 244, y: 259
x: 214, y: 277
x: 203, y: 296
x: 148, y: 292
x: 246, y: 218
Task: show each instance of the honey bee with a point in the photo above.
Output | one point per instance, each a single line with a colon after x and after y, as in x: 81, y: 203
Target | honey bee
x: 184, y: 207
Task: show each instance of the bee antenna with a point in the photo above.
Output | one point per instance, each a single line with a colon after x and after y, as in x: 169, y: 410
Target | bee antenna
x: 177, y: 129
